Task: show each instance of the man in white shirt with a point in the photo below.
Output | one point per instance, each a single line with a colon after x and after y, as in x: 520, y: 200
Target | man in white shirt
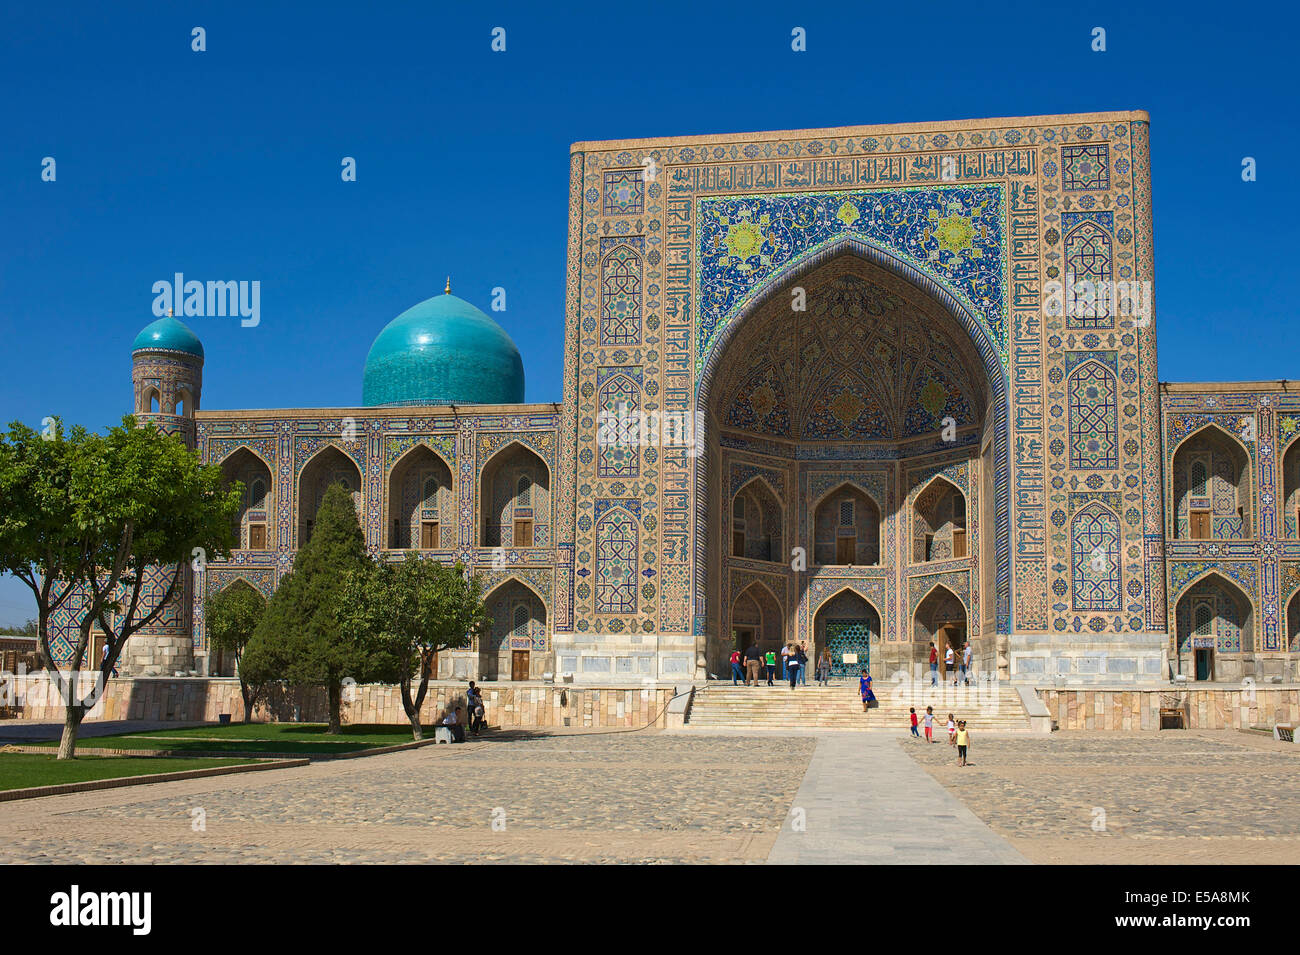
x: 947, y: 664
x: 965, y: 663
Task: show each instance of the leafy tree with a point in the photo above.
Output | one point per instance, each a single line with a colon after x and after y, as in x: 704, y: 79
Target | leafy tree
x: 300, y: 638
x: 92, y: 516
x: 414, y: 609
x: 232, y: 616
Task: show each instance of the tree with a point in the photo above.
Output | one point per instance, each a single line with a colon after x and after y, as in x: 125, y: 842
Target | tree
x: 414, y: 609
x: 97, y: 517
x: 300, y: 639
x: 232, y: 616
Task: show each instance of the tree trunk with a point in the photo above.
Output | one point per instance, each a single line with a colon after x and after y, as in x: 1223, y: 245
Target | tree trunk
x: 249, y: 700
x: 335, y: 705
x: 412, y: 709
x: 72, y: 714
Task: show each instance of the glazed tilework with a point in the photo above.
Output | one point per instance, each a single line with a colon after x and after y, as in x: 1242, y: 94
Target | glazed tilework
x: 925, y: 253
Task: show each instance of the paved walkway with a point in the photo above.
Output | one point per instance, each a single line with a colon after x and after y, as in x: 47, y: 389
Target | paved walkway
x: 864, y: 800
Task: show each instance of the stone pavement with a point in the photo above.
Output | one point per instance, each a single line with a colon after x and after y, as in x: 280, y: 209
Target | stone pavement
x: 1213, y: 796
x: 615, y: 797
x: 864, y: 800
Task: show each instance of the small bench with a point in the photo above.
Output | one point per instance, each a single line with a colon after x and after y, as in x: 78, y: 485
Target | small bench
x: 1284, y: 732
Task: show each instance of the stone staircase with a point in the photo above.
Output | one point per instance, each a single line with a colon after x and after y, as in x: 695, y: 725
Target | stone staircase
x: 987, y: 708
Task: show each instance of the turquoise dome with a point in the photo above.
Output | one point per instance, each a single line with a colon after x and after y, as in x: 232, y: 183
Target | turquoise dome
x: 440, y: 352
x: 168, y: 334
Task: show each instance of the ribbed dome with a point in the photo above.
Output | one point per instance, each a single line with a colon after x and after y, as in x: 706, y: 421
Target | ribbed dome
x: 168, y: 334
x: 443, y: 351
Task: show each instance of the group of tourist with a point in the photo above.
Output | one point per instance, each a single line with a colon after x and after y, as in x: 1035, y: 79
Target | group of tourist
x: 959, y: 670
x: 752, y: 665
x: 958, y: 734
x: 475, y: 718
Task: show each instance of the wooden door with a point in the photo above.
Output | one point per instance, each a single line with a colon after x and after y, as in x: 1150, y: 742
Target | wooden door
x: 959, y: 542
x: 846, y: 550
x: 737, y: 543
x: 257, y: 537
x: 523, y: 533
x: 519, y: 665
x: 1200, y: 525
x: 429, y: 535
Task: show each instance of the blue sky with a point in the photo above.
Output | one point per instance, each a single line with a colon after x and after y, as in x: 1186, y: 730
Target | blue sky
x: 225, y: 164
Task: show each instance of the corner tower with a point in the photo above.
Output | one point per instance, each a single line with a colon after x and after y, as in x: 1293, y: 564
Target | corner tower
x: 166, y: 380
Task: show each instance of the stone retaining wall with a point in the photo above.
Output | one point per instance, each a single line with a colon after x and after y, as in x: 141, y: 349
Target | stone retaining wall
x: 1138, y: 710
x: 508, y: 705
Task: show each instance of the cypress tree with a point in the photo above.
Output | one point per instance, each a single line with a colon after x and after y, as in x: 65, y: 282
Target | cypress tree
x: 300, y: 639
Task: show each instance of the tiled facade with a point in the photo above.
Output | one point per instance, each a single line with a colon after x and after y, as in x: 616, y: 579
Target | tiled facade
x: 863, y: 321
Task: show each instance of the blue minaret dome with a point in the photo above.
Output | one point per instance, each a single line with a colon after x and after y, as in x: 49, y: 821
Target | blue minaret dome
x: 168, y: 334
x: 443, y: 351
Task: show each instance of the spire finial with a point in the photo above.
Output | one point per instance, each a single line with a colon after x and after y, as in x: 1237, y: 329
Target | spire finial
x: 447, y: 290
x: 171, y: 312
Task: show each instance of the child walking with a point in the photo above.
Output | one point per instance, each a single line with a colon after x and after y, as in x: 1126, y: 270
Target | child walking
x: 963, y: 742
x: 912, y: 713
x: 952, y: 730
x: 929, y: 724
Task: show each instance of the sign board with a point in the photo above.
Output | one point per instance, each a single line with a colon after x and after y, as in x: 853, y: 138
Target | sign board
x: 1203, y: 643
x: 849, y: 658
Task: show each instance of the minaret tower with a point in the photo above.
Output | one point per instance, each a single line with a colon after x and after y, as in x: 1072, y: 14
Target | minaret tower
x: 167, y: 378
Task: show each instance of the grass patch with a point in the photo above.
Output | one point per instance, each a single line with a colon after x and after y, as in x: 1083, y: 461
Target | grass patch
x: 23, y: 770
x: 300, y: 738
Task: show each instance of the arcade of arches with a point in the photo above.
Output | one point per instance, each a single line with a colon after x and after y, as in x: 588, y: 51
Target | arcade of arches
x: 847, y: 447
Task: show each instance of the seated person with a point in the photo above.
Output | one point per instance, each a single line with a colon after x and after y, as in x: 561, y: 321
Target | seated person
x: 452, y: 721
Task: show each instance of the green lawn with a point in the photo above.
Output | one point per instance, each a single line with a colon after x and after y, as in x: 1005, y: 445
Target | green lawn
x: 301, y: 738
x: 21, y: 770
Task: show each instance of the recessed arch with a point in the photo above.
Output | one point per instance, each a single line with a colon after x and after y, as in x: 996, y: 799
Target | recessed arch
x: 939, y: 520
x: 1213, y: 496
x: 846, y: 525
x: 1214, y: 623
x: 992, y: 407
x: 757, y: 522
x: 520, y: 625
x: 222, y: 662
x: 766, y: 628
x: 846, y: 624
x: 329, y: 465
x: 1292, y: 622
x: 420, y: 509
x: 941, y: 617
x: 255, y: 525
x: 504, y: 519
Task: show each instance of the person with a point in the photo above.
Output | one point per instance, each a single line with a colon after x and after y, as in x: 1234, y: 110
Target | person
x: 736, y: 671
x: 963, y: 743
x: 104, y: 659
x: 793, y: 664
x: 785, y: 662
x: 948, y: 667
x: 934, y: 666
x: 770, y: 660
x: 929, y: 724
x: 912, y: 713
x: 824, y: 667
x: 471, y: 707
x: 804, y: 661
x: 952, y: 730
x: 752, y: 658
x: 452, y: 722
x: 965, y: 663
x: 477, y: 708
x: 864, y: 687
